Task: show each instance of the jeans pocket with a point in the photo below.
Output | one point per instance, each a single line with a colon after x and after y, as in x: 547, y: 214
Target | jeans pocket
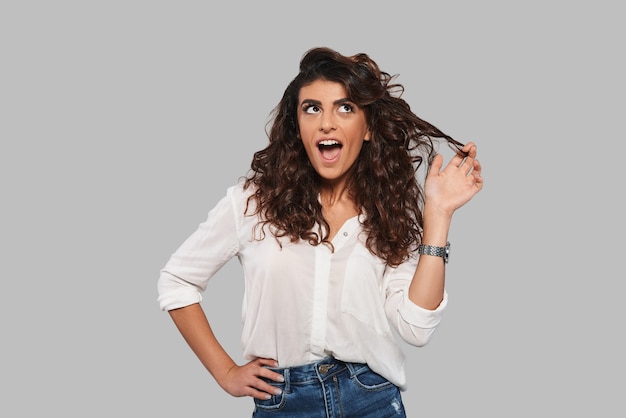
x: 273, y: 403
x: 369, y: 380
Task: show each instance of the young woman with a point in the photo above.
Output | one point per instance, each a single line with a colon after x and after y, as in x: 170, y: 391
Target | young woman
x: 339, y: 242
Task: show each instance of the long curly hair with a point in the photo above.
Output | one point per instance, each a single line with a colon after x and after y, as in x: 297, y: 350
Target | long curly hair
x: 384, y: 183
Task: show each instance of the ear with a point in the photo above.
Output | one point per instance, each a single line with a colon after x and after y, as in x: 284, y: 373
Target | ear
x: 294, y: 125
x: 368, y: 135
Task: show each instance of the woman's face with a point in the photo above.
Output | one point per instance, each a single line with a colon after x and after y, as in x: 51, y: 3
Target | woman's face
x: 332, y: 129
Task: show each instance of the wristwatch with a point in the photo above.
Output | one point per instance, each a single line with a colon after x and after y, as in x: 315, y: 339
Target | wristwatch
x: 443, y: 252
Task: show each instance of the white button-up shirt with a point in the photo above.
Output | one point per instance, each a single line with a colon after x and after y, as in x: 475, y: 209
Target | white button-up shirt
x: 302, y: 302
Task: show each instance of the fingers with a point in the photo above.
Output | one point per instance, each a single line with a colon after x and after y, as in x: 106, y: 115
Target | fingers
x: 254, y: 379
x: 435, y: 167
x: 477, y: 168
x: 260, y: 388
x: 266, y: 362
x: 468, y: 161
x: 267, y: 373
x: 467, y: 152
x: 473, y: 171
x: 265, y: 392
x: 450, y: 188
x: 467, y: 147
x: 476, y: 173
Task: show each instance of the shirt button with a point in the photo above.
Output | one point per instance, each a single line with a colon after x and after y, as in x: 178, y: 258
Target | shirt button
x: 345, y: 234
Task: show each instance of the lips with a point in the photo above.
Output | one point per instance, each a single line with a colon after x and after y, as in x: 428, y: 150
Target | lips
x: 329, y: 149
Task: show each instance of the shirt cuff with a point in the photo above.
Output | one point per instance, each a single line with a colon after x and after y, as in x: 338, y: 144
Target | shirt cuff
x: 179, y: 299
x: 421, y: 317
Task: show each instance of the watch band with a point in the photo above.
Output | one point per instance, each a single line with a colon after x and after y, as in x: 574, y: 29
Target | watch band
x: 443, y: 252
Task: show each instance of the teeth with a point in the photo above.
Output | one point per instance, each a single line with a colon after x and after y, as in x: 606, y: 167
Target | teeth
x: 329, y: 142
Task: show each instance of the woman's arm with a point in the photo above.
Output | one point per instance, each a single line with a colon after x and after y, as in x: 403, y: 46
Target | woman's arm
x: 445, y: 191
x: 236, y: 380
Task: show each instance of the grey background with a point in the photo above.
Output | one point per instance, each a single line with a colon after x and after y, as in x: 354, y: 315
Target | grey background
x: 123, y: 122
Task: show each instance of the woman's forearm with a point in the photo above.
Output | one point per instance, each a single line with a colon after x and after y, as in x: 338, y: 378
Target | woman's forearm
x: 192, y: 323
x: 428, y: 284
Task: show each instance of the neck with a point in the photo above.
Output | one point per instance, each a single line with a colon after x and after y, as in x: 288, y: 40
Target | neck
x: 332, y: 195
x: 336, y: 196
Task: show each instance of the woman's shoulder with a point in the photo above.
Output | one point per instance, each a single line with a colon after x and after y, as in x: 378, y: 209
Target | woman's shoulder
x: 240, y: 190
x: 239, y: 194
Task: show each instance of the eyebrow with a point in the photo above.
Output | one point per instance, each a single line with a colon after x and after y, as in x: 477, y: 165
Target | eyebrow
x: 318, y: 103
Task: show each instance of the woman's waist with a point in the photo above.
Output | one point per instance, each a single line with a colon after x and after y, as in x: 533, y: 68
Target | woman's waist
x: 318, y: 370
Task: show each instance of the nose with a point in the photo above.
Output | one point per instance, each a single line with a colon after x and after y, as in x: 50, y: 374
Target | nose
x: 327, y: 122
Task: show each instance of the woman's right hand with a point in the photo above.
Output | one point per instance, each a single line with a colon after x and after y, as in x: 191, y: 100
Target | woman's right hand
x: 247, y: 380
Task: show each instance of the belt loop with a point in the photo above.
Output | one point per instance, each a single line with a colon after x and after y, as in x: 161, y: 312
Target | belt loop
x: 350, y: 368
x: 356, y: 368
x: 287, y: 380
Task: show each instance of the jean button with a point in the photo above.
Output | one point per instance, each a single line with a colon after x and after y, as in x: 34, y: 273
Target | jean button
x: 324, y: 368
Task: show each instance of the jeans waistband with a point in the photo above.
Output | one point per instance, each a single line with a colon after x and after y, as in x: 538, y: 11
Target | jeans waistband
x: 318, y: 371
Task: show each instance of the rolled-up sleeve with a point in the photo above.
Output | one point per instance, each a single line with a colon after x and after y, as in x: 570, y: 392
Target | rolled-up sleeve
x: 414, y: 324
x: 187, y: 272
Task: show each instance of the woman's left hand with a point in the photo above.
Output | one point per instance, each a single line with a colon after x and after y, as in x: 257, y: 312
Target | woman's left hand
x: 448, y: 189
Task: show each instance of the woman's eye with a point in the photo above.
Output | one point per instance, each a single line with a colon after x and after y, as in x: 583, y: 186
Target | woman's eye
x: 311, y: 109
x: 346, y: 108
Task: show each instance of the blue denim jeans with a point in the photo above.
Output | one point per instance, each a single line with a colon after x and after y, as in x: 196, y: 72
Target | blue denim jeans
x: 332, y: 389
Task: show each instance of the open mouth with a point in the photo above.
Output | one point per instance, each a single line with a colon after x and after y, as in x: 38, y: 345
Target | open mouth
x: 329, y: 148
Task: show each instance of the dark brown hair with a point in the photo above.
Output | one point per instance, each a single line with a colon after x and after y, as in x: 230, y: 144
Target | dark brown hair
x: 384, y: 182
